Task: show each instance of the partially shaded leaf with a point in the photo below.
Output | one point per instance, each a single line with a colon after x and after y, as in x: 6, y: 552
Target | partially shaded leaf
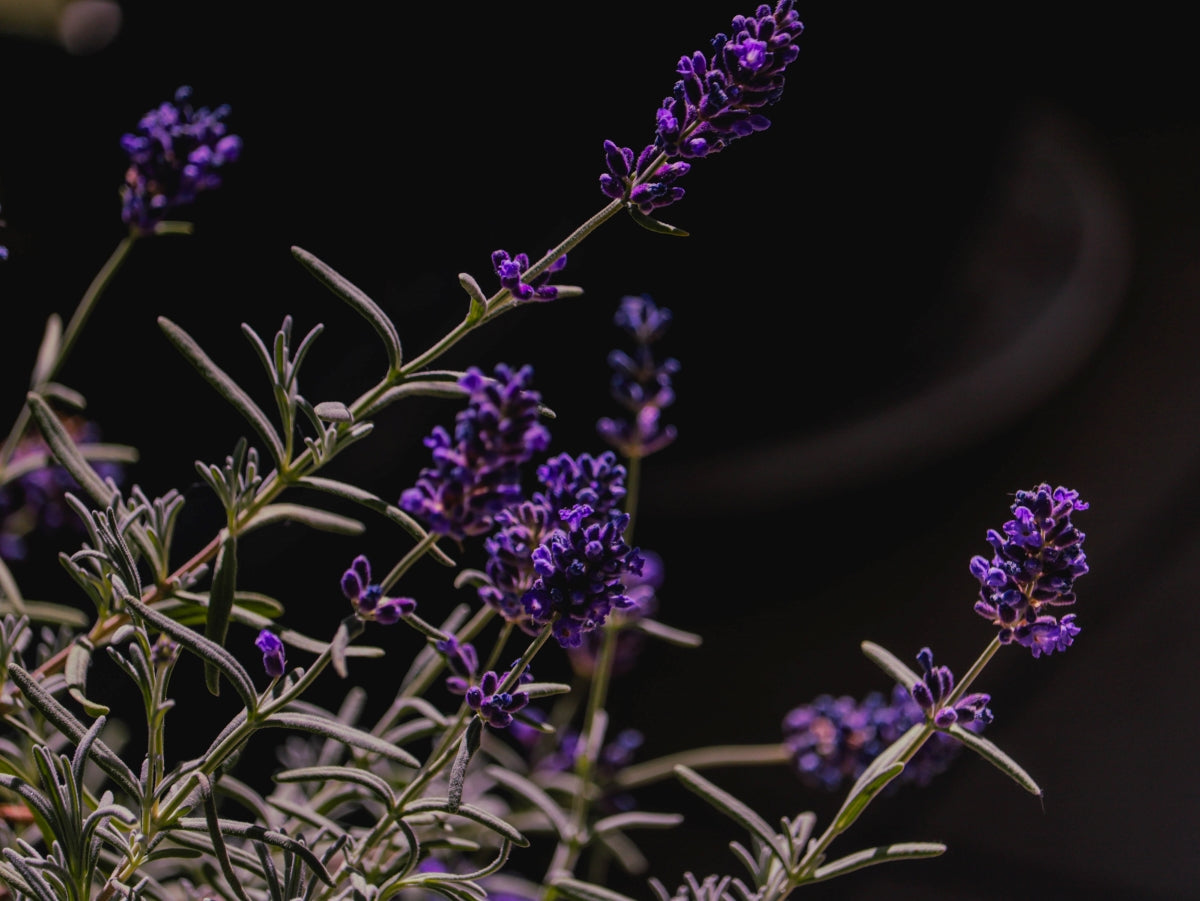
x: 871, y: 856
x: 220, y: 604
x: 347, y: 735
x: 991, y: 753
x: 733, y: 808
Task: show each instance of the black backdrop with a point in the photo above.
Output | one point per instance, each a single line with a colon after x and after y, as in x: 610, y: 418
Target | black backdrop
x: 962, y: 261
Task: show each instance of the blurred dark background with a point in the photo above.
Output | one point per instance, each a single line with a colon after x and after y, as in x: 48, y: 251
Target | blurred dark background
x: 962, y: 261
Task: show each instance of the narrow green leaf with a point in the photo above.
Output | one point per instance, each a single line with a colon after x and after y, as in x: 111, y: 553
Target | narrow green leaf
x: 578, y: 890
x: 545, y: 689
x: 637, y: 819
x: 990, y: 752
x: 376, y: 784
x: 220, y: 604
x: 651, y: 224
x: 260, y: 834
x: 321, y: 520
x: 890, y: 664
x: 458, y: 771
x: 79, y: 658
x: 357, y: 299
x: 426, y: 388
x: 669, y: 634
x: 11, y: 599
x: 46, y: 612
x: 333, y: 411
x: 535, y: 795
x: 470, y: 812
x: 347, y: 735
x: 218, y: 841
x: 733, y: 808
x: 871, y: 856
x: 66, y: 452
x: 862, y: 795
x: 225, y: 386
x: 66, y: 723
x: 206, y: 650
x: 47, y: 354
x: 478, y: 299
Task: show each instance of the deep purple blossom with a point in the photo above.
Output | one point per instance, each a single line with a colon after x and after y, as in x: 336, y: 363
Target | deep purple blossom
x: 495, y: 707
x: 477, y: 472
x: 598, y: 481
x: 509, y: 566
x: 642, y: 589
x: 1037, y: 556
x: 176, y: 152
x: 640, y: 384
x: 463, y: 662
x: 511, y: 272
x: 719, y: 97
x: 274, y: 658
x: 832, y: 740
x: 367, y: 597
x: 935, y: 687
x: 579, y: 571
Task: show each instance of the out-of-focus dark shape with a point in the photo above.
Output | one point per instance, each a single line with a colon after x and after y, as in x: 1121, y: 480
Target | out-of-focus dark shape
x: 79, y: 26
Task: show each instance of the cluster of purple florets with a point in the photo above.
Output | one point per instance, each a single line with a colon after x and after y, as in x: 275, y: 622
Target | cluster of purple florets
x: 641, y: 384
x: 934, y: 690
x: 1037, y: 556
x: 367, y: 598
x: 718, y: 98
x: 511, y: 272
x: 483, y: 694
x: 833, y: 739
x: 477, y: 471
x: 176, y: 152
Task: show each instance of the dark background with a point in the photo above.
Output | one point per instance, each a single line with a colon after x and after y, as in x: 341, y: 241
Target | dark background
x: 961, y: 262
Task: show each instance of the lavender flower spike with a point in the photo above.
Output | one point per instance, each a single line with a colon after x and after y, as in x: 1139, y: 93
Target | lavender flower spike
x: 274, y: 659
x: 718, y: 98
x: 935, y: 687
x: 1037, y: 556
x: 477, y: 472
x: 175, y: 153
x: 367, y: 598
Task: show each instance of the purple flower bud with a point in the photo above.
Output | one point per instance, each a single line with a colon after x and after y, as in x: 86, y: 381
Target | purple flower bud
x: 274, y: 659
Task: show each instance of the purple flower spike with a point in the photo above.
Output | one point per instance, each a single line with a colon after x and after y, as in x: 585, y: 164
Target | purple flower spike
x: 367, y: 598
x: 274, y: 659
x: 511, y: 272
x: 718, y: 98
x: 496, y: 708
x: 175, y: 153
x: 935, y: 687
x: 1037, y: 556
x: 477, y: 472
x: 641, y: 384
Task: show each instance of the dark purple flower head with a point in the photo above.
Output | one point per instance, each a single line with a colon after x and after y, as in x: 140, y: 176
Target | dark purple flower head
x: 509, y: 566
x: 176, y: 152
x: 1037, y: 556
x: 934, y: 689
x: 641, y: 384
x: 832, y: 740
x: 598, y: 481
x: 495, y: 707
x: 579, y: 571
x: 368, y: 600
x: 477, y: 472
x: 642, y: 590
x: 274, y: 659
x: 719, y: 97
x: 511, y: 271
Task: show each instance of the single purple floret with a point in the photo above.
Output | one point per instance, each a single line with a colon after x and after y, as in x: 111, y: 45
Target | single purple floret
x: 367, y: 598
x: 176, y: 152
x: 477, y: 472
x: 1037, y: 556
x: 718, y: 98
x: 274, y: 658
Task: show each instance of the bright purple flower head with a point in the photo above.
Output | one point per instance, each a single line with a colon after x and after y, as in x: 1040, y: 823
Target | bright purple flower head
x: 934, y: 689
x: 176, y: 152
x: 834, y: 739
x: 579, y: 570
x: 1037, y: 556
x: 477, y: 472
x: 509, y: 567
x: 719, y: 97
x: 367, y: 598
x: 511, y: 271
x: 639, y: 383
x: 274, y: 658
x: 598, y: 481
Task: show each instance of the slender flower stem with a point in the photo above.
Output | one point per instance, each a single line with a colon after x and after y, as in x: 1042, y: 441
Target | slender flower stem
x: 976, y: 668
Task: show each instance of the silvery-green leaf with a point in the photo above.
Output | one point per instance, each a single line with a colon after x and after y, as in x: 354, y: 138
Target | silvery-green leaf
x: 421, y: 388
x: 990, y: 752
x: 11, y: 598
x: 47, y: 355
x: 536, y: 796
x: 333, y: 411
x: 260, y: 834
x: 220, y: 605
x: 470, y: 812
x: 458, y: 770
x: 206, y: 650
x: 545, y: 689
x: 225, y: 386
x: 871, y: 856
x: 54, y: 614
x: 637, y: 819
x: 478, y: 299
x: 733, y: 808
x: 651, y: 224
x: 669, y: 634
x: 218, y: 840
x: 79, y: 658
x: 357, y: 299
x: 321, y: 520
x: 890, y: 664
x: 347, y: 735
x: 578, y: 890
x: 376, y: 784
x: 66, y: 452
x: 863, y: 794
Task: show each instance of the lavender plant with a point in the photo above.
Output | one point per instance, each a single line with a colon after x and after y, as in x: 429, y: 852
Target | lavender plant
x: 475, y: 759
